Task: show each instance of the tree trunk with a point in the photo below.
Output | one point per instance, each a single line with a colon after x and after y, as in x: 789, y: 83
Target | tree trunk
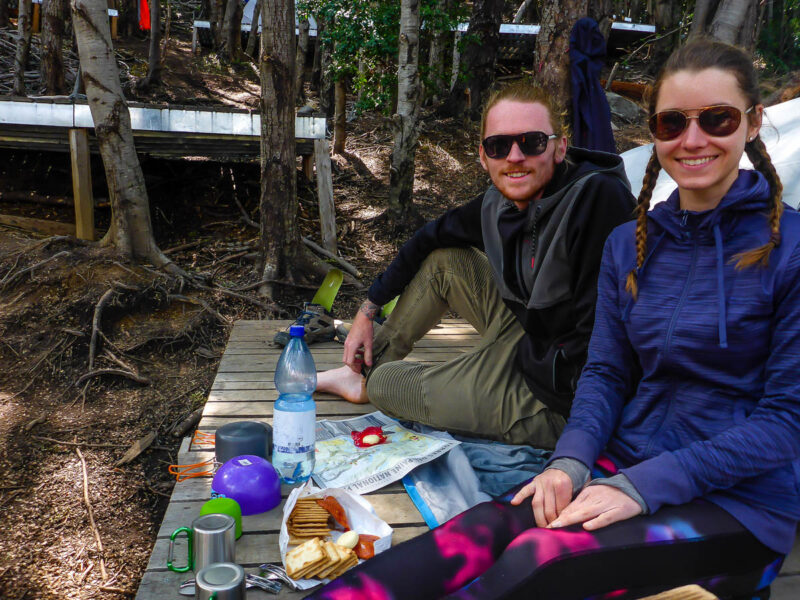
x: 316, y: 63
x: 300, y: 60
x: 477, y: 61
x: 326, y: 87
x: 702, y: 10
x: 667, y: 14
x: 52, y: 66
x: 23, y: 46
x: 216, y: 17
x: 602, y: 11
x: 131, y: 231
x: 154, y: 61
x: 436, y: 57
x: 231, y: 48
x: 253, y: 37
x: 552, y: 47
x: 339, y: 117
x: 3, y: 13
x: 406, y: 121
x: 734, y: 22
x: 278, y: 203
x: 519, y: 16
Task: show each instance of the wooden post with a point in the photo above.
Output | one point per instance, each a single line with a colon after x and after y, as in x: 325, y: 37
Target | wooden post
x: 82, y: 183
x: 114, y: 34
x: 308, y: 166
x: 36, y: 21
x: 327, y: 211
x: 194, y: 38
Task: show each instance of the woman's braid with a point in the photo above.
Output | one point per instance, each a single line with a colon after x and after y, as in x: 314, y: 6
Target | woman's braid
x: 648, y: 183
x: 758, y: 155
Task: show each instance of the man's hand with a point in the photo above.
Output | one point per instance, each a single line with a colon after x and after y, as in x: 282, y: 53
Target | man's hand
x: 358, y: 345
x: 597, y: 506
x: 551, y: 491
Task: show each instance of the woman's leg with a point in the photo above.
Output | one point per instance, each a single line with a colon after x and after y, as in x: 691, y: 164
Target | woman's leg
x: 493, y: 551
x: 679, y: 545
x: 437, y: 562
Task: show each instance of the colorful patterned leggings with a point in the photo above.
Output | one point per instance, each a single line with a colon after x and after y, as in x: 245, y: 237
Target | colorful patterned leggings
x: 494, y: 550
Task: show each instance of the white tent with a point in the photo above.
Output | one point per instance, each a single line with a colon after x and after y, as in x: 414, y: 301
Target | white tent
x: 781, y: 135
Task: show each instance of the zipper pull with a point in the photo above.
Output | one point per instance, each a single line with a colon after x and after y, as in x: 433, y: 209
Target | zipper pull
x: 685, y: 217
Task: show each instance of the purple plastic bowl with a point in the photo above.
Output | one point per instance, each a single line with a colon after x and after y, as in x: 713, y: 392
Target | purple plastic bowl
x: 250, y: 480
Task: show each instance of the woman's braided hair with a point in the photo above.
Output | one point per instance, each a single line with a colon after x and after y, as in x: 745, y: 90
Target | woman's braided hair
x: 695, y: 56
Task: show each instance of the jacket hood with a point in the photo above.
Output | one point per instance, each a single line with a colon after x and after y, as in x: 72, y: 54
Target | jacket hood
x: 749, y: 193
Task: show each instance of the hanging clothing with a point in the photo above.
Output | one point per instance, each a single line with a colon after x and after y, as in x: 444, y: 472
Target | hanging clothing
x: 144, y: 15
x: 591, y: 115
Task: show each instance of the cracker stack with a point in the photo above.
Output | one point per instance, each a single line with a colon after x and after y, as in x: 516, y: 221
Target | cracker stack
x: 320, y: 559
x: 307, y: 521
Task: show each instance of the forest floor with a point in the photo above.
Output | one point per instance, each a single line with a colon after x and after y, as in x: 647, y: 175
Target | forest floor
x: 97, y: 353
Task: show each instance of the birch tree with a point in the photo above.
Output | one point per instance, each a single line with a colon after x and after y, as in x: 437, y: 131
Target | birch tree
x: 54, y: 17
x: 131, y: 230
x: 23, y: 45
x: 406, y: 121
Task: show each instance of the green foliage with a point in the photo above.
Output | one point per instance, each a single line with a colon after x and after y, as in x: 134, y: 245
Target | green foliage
x: 366, y: 32
x: 779, y: 42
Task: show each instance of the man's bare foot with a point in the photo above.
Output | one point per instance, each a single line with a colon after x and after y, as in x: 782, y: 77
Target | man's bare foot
x: 343, y: 382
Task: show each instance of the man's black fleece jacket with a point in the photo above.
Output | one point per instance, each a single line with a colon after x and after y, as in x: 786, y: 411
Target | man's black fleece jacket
x: 520, y: 246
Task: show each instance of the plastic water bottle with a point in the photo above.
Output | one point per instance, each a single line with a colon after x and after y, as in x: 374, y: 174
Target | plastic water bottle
x: 295, y: 416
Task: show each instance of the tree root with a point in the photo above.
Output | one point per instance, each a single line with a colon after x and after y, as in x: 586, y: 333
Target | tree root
x: 98, y: 311
x: 120, y: 372
x: 341, y: 262
x: 32, y: 267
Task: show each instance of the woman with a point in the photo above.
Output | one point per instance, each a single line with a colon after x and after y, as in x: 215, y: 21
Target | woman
x: 688, y: 408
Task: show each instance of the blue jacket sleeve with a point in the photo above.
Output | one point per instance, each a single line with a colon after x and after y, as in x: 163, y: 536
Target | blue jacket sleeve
x: 609, y: 375
x: 767, y: 439
x: 458, y: 227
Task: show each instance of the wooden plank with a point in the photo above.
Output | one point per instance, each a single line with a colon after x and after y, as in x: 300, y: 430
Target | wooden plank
x: 394, y: 508
x: 327, y: 211
x: 38, y: 225
x: 81, y: 183
x: 159, y: 583
x: 264, y: 410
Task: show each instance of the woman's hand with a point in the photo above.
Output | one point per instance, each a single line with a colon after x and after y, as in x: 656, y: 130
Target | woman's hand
x: 358, y: 345
x: 597, y: 506
x: 551, y: 491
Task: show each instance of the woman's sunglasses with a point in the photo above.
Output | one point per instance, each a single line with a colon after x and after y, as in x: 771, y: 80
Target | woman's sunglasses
x: 531, y: 143
x: 719, y: 121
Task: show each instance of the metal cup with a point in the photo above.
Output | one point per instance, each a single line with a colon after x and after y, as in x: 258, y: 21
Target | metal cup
x: 211, y: 539
x: 220, y: 581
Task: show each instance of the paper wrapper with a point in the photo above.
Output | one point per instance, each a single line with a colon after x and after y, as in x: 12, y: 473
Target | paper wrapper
x: 360, y: 515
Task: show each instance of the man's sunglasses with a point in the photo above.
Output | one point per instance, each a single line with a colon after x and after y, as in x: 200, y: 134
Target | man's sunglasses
x: 719, y: 121
x: 531, y: 143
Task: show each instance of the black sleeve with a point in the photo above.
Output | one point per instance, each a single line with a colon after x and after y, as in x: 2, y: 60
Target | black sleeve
x: 458, y: 227
x: 606, y: 203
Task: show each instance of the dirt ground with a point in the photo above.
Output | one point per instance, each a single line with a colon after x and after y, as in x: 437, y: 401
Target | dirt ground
x: 96, y: 353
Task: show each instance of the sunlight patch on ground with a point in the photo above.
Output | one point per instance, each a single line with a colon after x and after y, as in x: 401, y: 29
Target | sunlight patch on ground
x: 438, y: 153
x: 368, y: 213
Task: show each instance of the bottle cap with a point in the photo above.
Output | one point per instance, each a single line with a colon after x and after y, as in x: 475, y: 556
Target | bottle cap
x: 297, y: 331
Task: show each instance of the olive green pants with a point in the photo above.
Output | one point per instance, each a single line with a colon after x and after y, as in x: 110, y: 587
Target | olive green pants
x: 479, y: 393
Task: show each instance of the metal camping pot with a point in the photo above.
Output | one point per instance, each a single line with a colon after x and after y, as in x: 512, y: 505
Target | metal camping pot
x: 242, y: 437
x: 220, y: 581
x: 212, y: 539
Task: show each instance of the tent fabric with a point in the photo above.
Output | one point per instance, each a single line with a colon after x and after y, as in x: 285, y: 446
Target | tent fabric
x: 781, y: 135
x: 144, y: 15
x: 591, y: 115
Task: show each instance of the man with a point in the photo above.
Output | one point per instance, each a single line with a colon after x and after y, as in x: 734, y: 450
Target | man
x: 520, y: 263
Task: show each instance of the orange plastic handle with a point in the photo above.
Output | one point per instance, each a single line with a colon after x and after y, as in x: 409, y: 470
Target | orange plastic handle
x: 183, y: 472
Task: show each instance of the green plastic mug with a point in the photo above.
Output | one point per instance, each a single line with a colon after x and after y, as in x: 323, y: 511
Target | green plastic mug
x: 225, y: 506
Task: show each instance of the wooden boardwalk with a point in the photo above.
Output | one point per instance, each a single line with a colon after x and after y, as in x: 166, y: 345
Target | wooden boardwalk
x: 244, y: 390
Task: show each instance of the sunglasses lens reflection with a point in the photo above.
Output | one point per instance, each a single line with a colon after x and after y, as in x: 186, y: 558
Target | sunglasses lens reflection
x: 531, y: 143
x: 719, y: 121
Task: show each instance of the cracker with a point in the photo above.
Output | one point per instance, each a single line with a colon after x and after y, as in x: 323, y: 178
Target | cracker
x: 303, y: 557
